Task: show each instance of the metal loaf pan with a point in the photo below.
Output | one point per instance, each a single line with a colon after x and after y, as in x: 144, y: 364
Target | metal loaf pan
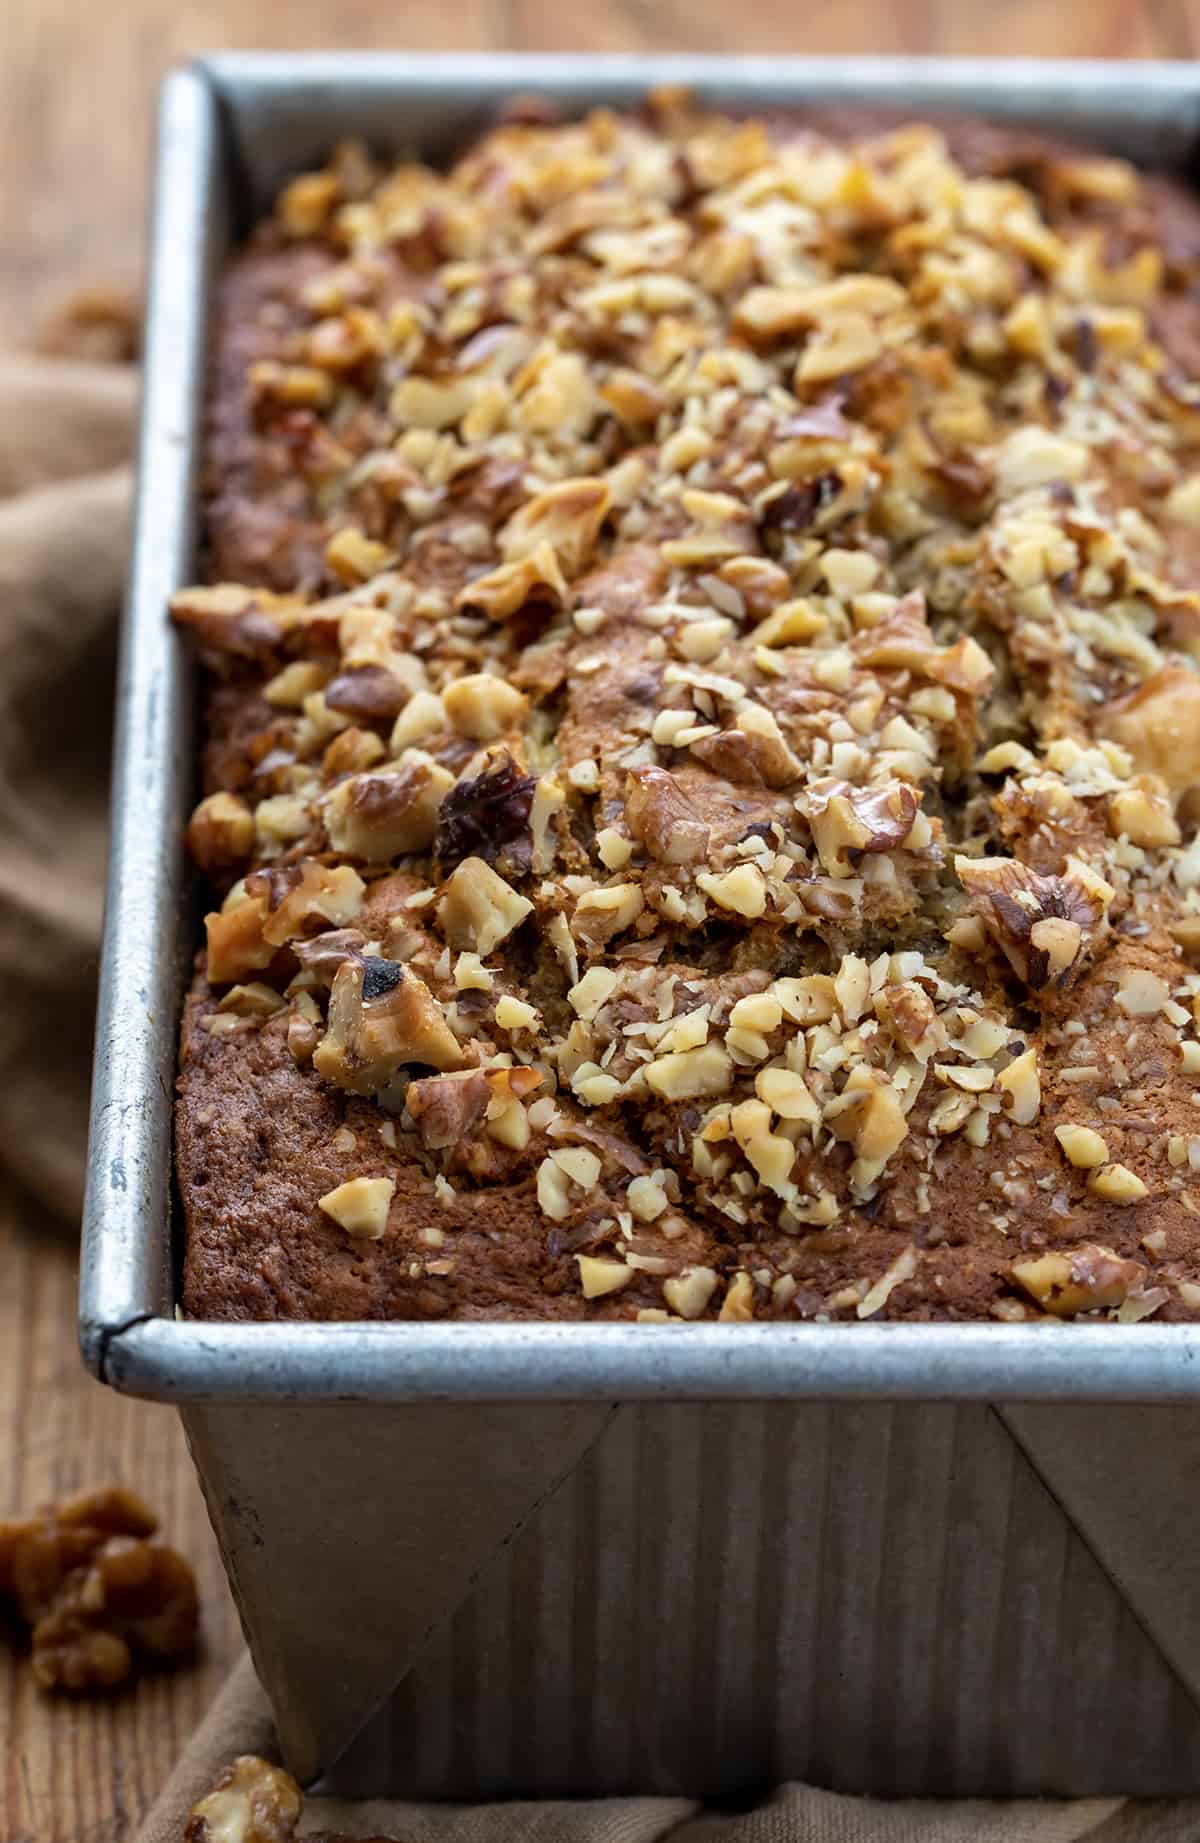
x: 482, y: 1560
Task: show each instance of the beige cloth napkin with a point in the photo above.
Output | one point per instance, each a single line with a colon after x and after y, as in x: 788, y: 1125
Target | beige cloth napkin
x: 66, y: 434
x: 239, y: 1722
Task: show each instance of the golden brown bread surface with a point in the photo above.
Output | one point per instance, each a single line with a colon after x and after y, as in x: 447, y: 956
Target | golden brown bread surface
x: 703, y: 742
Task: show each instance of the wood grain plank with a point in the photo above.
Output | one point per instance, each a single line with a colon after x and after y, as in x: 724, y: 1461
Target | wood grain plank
x: 1181, y: 25
x: 1106, y: 29
x: 84, y: 1772
x: 81, y: 168
x: 1030, y: 28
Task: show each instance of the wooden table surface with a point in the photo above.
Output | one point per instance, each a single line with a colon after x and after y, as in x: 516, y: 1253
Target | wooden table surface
x: 76, y: 99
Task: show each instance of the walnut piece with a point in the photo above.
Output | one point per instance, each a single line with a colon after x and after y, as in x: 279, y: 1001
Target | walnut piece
x: 1084, y: 1279
x: 1043, y: 925
x: 567, y: 516
x: 502, y: 592
x: 742, y: 890
x: 360, y: 1206
x: 368, y: 692
x: 229, y: 618
x: 325, y: 953
x: 220, y: 833
x: 1159, y: 724
x: 448, y: 1108
x: 602, y: 913
x: 252, y: 1802
x: 483, y: 707
x: 754, y: 754
x: 381, y: 1018
x: 846, y: 820
x: 236, y: 948
x: 1082, y: 1146
x: 660, y: 816
x: 599, y: 1277
x: 388, y: 814
x: 314, y: 895
x: 478, y: 909
x: 868, y: 1114
x: 101, y: 1597
x: 688, y: 1293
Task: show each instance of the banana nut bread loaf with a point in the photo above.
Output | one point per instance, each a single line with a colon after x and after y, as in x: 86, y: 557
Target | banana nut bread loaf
x: 703, y: 734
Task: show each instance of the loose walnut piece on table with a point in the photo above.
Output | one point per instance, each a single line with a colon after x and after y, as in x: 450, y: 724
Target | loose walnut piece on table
x: 253, y: 1802
x: 99, y: 1595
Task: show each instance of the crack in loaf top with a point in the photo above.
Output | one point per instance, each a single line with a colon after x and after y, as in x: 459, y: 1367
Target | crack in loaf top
x: 703, y: 733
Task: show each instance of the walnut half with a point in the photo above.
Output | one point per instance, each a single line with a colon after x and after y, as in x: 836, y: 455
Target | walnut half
x: 98, y: 1594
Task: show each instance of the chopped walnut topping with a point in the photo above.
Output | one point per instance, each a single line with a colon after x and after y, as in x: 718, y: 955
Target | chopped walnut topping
x: 503, y: 591
x: 691, y: 1075
x: 388, y: 814
x: 382, y: 1017
x: 1141, y: 814
x: 742, y: 891
x: 1081, y: 1146
x: 646, y: 1198
x: 320, y: 895
x: 1020, y: 1084
x: 901, y: 1270
x: 868, y: 1113
x: 689, y: 1293
x: 566, y: 516
x: 786, y: 1093
x: 602, y: 913
x: 598, y: 1277
x: 653, y: 619
x: 1043, y: 925
x: 847, y: 820
x: 592, y: 991
x: 754, y: 754
x: 262, y: 915
x: 478, y: 909
x: 1117, y: 1184
x: 236, y: 948
x: 737, y: 1307
x: 661, y: 817
x: 562, y: 1176
x: 360, y: 1206
x: 482, y: 706
x: 1142, y: 993
x: 353, y: 557
x: 1159, y: 724
x: 220, y: 834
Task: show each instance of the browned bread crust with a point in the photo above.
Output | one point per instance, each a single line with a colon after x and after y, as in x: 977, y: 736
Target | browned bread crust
x: 703, y: 734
